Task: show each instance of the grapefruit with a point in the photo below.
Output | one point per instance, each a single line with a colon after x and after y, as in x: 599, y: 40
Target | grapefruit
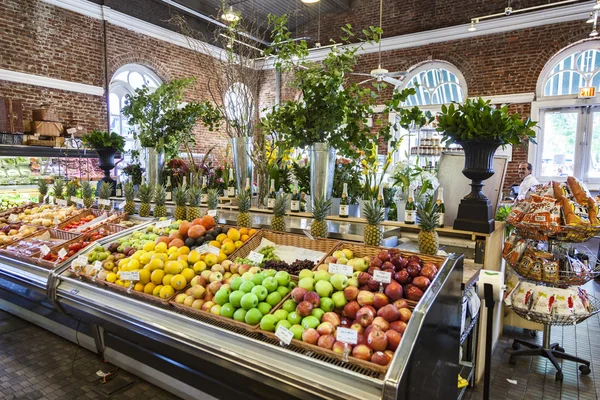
x: 184, y: 228
x: 196, y: 231
x: 207, y: 221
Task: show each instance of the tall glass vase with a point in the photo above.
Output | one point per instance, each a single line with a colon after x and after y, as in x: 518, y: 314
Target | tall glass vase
x: 322, y: 168
x: 155, y: 163
x: 242, y: 148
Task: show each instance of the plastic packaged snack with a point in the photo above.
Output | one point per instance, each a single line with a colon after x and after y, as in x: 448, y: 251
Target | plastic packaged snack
x: 509, y: 245
x: 526, y: 262
x: 511, y: 282
x: 579, y: 191
x: 575, y: 214
x: 536, y: 269
x: 593, y: 212
x: 522, y: 297
x: 544, y: 300
x: 546, y: 190
x: 550, y: 272
x: 518, y: 211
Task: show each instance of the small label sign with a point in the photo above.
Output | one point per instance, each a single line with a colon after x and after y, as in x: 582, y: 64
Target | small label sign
x: 61, y: 203
x: 103, y: 202
x: 121, y: 205
x: 307, y: 233
x: 13, y: 218
x: 382, y: 276
x: 340, y: 269
x: 62, y: 253
x: 163, y: 224
x: 80, y: 261
x: 74, y: 199
x: 346, y: 335
x: 98, y: 266
x: 256, y: 257
x: 44, y: 250
x: 203, y: 249
x: 214, y: 250
x: 212, y: 213
x: 284, y: 334
x: 130, y: 275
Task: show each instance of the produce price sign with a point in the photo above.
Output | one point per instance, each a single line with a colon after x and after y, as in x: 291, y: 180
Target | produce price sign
x: 103, y: 202
x: 382, y: 276
x: 203, y: 249
x: 62, y: 253
x: 214, y: 250
x: 346, y: 335
x: 163, y: 224
x: 256, y: 257
x: 212, y: 213
x: 44, y: 250
x: 61, y: 202
x: 130, y: 275
x: 98, y: 266
x: 121, y: 205
x: 80, y: 261
x: 340, y: 269
x: 284, y: 335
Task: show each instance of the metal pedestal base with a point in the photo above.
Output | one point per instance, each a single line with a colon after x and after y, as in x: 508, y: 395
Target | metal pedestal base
x: 552, y: 352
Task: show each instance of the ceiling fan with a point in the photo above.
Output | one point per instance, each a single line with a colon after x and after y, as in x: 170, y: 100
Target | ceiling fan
x: 379, y: 73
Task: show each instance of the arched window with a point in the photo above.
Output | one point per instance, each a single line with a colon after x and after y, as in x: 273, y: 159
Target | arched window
x: 127, y: 78
x: 438, y: 83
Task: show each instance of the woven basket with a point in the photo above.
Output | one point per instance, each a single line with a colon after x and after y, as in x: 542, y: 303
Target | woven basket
x: 360, y: 250
x: 54, y: 234
x: 18, y: 237
x: 112, y: 217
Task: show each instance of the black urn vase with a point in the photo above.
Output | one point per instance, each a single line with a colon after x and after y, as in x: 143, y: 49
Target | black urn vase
x: 475, y: 210
x: 106, y: 162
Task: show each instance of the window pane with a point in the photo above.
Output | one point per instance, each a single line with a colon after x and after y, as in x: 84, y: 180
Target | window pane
x: 559, y: 138
x: 594, y: 170
x: 113, y: 104
x: 135, y: 80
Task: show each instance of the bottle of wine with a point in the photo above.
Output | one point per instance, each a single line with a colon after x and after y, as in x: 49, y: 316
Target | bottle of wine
x: 302, y: 202
x: 409, y: 210
x: 393, y: 213
x: 295, y: 204
x: 231, y: 184
x: 344, y: 202
x: 248, y: 189
x: 271, y: 197
x: 380, y: 196
x: 119, y: 188
x: 169, y: 190
x: 440, y: 207
x: 204, y: 191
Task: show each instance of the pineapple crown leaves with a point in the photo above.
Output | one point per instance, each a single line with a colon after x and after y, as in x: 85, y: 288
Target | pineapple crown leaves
x: 427, y: 214
x: 146, y: 193
x: 160, y: 194
x: 243, y: 200
x: 59, y: 187
x: 105, y: 190
x: 180, y: 195
x: 129, y: 191
x: 71, y: 188
x: 373, y: 212
x: 194, y: 194
x: 280, y: 205
x: 321, y: 208
x: 86, y: 189
x: 213, y: 199
x: 43, y: 186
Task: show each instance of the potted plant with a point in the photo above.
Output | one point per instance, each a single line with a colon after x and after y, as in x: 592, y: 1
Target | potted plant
x: 134, y: 172
x: 480, y: 129
x: 106, y: 145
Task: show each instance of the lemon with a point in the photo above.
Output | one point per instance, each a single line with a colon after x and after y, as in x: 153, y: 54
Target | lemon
x: 172, y: 250
x: 188, y: 274
x: 173, y: 267
x: 183, y: 258
x: 144, y: 276
x: 220, y: 237
x: 119, y: 282
x: 137, y: 254
x: 111, y: 277
x: 123, y: 262
x: 161, y: 247
x: 238, y: 244
x: 166, y: 292
x: 222, y: 256
x: 178, y: 282
x: 228, y: 248
x: 157, y: 290
x: 193, y: 257
x: 160, y: 256
x: 199, y: 267
x: 126, y: 284
x: 233, y: 234
x: 157, y: 276
x: 133, y: 265
x: 184, y: 250
x: 167, y: 279
x: 216, y: 243
x: 145, y: 258
x: 139, y: 287
x: 149, y: 246
x: 173, y: 256
x: 210, y: 260
x: 156, y: 264
x: 149, y: 288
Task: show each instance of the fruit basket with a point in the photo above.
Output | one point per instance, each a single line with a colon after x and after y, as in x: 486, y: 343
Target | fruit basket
x: 89, y: 215
x: 558, y: 320
x: 565, y: 233
x: 28, y: 248
x: 10, y: 233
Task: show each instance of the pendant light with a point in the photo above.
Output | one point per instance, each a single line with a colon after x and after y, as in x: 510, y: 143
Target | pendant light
x: 230, y: 15
x: 310, y: 1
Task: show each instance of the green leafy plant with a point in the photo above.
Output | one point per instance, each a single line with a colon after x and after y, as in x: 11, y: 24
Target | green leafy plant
x: 477, y: 119
x: 134, y: 172
x: 302, y: 174
x: 101, y: 140
x: 346, y: 171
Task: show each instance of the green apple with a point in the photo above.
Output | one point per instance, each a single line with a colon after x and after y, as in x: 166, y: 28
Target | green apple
x: 247, y: 276
x: 310, y: 322
x: 258, y: 278
x: 281, y: 314
x: 247, y: 286
x: 286, y: 324
x: 227, y: 310
x: 253, y: 316
x: 318, y: 312
x: 264, y: 308
x: 305, y: 273
x: 235, y: 298
x: 236, y: 283
x: 221, y: 297
x: 283, y: 291
x: 283, y: 278
x: 269, y: 272
x: 321, y: 276
x: 307, y: 283
x: 292, y: 285
x: 249, y: 300
x: 270, y: 283
x: 260, y: 291
x: 339, y: 299
x: 338, y: 254
x: 297, y: 330
x: 323, y: 288
x: 273, y: 299
x: 342, y: 260
x: 353, y: 282
x: 294, y: 318
x: 361, y: 265
x: 240, y: 315
x: 289, y: 305
x: 268, y: 323
x: 326, y: 304
x: 339, y: 281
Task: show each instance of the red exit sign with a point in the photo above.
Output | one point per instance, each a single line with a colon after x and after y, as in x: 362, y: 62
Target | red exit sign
x: 586, y: 92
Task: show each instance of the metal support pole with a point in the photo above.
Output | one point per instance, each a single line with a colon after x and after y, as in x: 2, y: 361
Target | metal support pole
x: 488, y: 293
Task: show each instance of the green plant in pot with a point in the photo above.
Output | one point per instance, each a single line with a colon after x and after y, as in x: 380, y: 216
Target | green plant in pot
x: 480, y: 128
x: 106, y: 145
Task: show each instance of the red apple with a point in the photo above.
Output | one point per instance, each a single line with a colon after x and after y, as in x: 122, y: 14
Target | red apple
x: 313, y: 298
x: 371, y: 328
x: 372, y: 309
x: 379, y: 357
x: 394, y: 291
x: 398, y: 326
x: 364, y: 287
x: 414, y: 269
x: 326, y: 328
x: 340, y: 347
x: 402, y: 277
x: 346, y: 322
x: 377, y: 340
x: 361, y: 339
x: 304, y: 309
x: 387, y: 266
x: 382, y: 323
x: 331, y: 317
x: 390, y: 354
x: 362, y: 352
x: 384, y: 256
x: 380, y: 300
x: 396, y: 261
x: 389, y: 313
x: 403, y: 263
x: 401, y: 304
x: 394, y: 252
x: 393, y: 338
x: 310, y: 336
x: 363, y: 278
x: 365, y: 298
x: 405, y: 314
x: 298, y: 294
x: 351, y: 293
x: 330, y: 260
x: 429, y: 271
x: 406, y: 288
x: 375, y: 262
x: 414, y: 293
x: 326, y: 341
x: 372, y: 270
x: 373, y: 284
x: 350, y: 309
x: 365, y: 316
x: 413, y: 258
x: 357, y: 327
x: 421, y: 282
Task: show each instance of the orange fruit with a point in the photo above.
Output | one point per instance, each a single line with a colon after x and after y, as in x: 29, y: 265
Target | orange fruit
x: 175, y: 235
x: 243, y: 231
x: 184, y: 228
x: 243, y: 238
x: 251, y: 232
x: 207, y: 221
x: 197, y: 221
x: 162, y: 239
x: 196, y: 231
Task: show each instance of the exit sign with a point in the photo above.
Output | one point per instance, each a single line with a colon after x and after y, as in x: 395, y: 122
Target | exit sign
x: 586, y: 92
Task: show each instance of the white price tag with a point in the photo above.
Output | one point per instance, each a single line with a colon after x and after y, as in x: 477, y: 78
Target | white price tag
x: 56, y: 220
x: 308, y: 235
x: 163, y: 224
x: 203, y: 249
x: 214, y: 250
x: 13, y: 218
x: 79, y: 201
x: 284, y: 334
x: 103, y: 202
x: 61, y: 202
x: 212, y: 213
x: 340, y: 269
x: 80, y: 261
x: 62, y: 253
x: 346, y: 335
x: 74, y: 199
x: 256, y: 257
x: 51, y: 200
x: 130, y: 275
x: 98, y: 266
x: 382, y: 276
x: 44, y: 250
x: 121, y: 205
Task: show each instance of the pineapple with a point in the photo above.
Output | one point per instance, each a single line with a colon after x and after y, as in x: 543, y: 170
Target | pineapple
x: 321, y: 209
x: 104, y: 193
x: 180, y: 196
x: 59, y: 187
x: 278, y: 220
x: 88, y: 192
x: 129, y: 198
x: 194, y: 196
x: 374, y: 215
x: 71, y: 191
x: 145, y: 194
x: 213, y: 201
x: 160, y: 194
x: 428, y: 216
x: 43, y: 189
x: 244, y: 218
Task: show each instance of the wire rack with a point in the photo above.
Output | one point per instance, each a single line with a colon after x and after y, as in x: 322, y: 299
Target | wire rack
x: 558, y: 320
x: 565, y: 233
x: 563, y: 279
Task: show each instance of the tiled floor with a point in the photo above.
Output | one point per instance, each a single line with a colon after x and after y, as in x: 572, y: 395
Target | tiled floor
x: 36, y: 364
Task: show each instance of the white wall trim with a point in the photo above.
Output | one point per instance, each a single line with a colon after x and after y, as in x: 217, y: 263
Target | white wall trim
x: 38, y: 80
x: 514, y: 98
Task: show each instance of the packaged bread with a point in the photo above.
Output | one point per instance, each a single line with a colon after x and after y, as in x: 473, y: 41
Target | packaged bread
x: 579, y: 191
x: 514, y: 255
x: 518, y: 211
x: 550, y: 272
x: 523, y: 296
x: 544, y: 300
x: 593, y: 212
x: 574, y: 213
